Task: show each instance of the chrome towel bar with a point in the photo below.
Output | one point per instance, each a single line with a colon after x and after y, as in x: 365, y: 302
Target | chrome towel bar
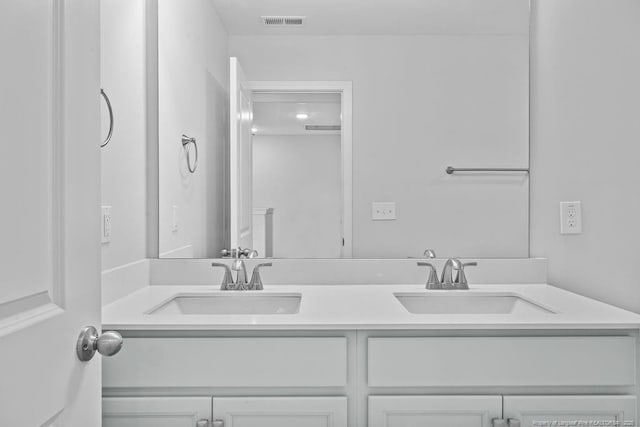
x: 451, y: 170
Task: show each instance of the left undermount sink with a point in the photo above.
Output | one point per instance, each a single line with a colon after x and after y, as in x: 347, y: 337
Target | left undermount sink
x: 230, y: 303
x: 468, y: 302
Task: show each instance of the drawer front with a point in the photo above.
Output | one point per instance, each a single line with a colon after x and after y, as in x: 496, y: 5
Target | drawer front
x: 228, y: 362
x: 501, y: 361
x: 281, y: 411
x: 154, y: 411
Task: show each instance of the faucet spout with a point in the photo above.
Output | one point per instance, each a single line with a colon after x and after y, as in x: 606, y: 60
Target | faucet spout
x: 447, y: 272
x: 240, y: 268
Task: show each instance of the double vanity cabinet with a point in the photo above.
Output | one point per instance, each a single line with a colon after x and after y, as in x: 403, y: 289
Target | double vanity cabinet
x: 370, y: 378
x: 353, y: 356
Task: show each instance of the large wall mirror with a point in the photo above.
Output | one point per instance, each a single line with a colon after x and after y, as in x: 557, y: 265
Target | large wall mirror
x: 329, y: 135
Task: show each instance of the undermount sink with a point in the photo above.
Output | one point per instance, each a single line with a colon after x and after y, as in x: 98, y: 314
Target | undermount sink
x: 230, y: 302
x: 465, y: 302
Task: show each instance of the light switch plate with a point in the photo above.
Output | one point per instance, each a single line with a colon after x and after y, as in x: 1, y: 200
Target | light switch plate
x: 570, y: 218
x: 383, y: 211
x: 106, y: 224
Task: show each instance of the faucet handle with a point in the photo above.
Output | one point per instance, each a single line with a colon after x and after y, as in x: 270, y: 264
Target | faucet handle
x: 432, y: 280
x: 429, y: 253
x: 256, y: 281
x: 251, y: 253
x: 227, y: 279
x: 461, y: 278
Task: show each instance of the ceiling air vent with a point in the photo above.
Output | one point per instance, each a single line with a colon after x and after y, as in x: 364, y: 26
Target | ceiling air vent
x: 322, y: 127
x: 283, y: 21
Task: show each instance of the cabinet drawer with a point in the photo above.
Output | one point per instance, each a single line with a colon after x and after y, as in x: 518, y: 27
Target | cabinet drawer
x: 501, y: 361
x: 154, y: 411
x: 281, y: 411
x: 228, y: 362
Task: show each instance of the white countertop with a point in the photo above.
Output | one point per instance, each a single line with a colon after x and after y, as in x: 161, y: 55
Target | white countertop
x: 349, y: 307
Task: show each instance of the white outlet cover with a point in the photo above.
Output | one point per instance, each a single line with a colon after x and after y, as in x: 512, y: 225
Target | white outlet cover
x: 383, y: 211
x: 570, y: 217
x: 106, y: 224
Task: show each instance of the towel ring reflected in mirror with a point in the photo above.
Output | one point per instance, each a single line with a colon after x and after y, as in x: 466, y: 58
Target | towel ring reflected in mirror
x: 110, y: 109
x: 186, y: 141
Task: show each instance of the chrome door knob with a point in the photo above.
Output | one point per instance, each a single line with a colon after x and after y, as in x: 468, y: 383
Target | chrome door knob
x: 107, y: 344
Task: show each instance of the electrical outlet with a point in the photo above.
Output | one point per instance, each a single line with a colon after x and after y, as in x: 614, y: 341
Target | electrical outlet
x: 175, y: 220
x: 570, y: 218
x: 383, y: 211
x: 106, y: 224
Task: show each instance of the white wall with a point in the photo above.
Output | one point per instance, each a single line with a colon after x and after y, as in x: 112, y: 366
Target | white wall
x: 300, y: 177
x: 193, y: 99
x: 421, y: 103
x: 123, y: 161
x: 586, y: 144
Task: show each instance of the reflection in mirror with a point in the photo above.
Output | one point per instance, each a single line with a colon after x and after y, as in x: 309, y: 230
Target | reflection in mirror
x: 297, y: 184
x: 435, y: 84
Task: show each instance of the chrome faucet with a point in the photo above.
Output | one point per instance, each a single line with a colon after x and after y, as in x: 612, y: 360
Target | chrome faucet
x: 429, y: 253
x: 240, y: 268
x: 241, y: 273
x: 227, y: 280
x: 460, y: 281
x: 255, y: 284
x: 447, y: 272
x: 432, y: 280
x: 238, y: 265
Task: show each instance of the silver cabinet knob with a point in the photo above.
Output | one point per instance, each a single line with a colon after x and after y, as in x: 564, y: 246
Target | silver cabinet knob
x: 107, y: 344
x: 202, y: 423
x: 218, y: 423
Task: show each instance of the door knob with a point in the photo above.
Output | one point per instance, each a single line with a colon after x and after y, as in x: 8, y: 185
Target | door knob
x: 107, y: 344
x: 202, y: 423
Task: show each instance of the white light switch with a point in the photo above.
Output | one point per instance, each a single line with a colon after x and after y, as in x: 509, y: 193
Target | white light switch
x: 106, y: 224
x: 570, y: 218
x: 175, y: 220
x: 383, y: 211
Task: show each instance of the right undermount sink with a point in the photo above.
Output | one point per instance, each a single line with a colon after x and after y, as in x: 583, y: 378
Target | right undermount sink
x: 468, y: 302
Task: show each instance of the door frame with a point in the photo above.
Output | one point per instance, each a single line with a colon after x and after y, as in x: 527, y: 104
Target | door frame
x: 344, y: 88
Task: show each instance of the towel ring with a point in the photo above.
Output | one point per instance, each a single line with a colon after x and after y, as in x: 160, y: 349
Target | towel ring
x: 110, y: 134
x: 185, y: 142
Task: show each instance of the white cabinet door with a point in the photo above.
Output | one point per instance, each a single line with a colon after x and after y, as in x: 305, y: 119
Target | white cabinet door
x: 540, y: 411
x: 155, y: 411
x: 434, y: 411
x: 281, y: 411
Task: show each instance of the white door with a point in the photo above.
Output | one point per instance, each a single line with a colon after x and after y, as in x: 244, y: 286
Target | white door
x: 539, y: 411
x: 434, y: 411
x: 241, y: 159
x: 156, y: 411
x: 50, y: 187
x: 281, y: 411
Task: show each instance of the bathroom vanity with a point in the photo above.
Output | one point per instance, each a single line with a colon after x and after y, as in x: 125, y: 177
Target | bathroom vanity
x: 370, y: 355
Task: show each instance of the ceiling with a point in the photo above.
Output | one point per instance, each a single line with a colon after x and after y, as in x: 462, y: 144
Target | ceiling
x: 275, y: 114
x: 378, y: 17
